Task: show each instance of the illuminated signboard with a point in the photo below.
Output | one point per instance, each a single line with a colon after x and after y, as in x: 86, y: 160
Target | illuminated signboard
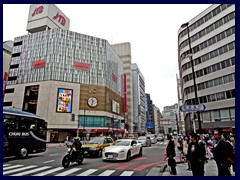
x: 64, y: 100
x: 115, y: 107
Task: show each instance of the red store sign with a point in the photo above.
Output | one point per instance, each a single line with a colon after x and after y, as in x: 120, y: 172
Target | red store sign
x: 60, y: 19
x: 38, y: 10
x: 38, y: 64
x: 81, y: 66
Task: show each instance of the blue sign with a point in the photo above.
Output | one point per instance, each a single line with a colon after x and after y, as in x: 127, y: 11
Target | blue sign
x: 149, y: 125
x: 190, y: 108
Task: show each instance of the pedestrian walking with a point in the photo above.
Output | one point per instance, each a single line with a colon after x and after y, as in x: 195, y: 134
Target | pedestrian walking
x: 223, y: 154
x: 196, y: 154
x: 185, y: 150
x: 232, y: 141
x: 170, y: 150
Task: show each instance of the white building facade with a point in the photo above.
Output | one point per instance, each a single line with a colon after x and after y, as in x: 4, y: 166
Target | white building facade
x: 212, y: 36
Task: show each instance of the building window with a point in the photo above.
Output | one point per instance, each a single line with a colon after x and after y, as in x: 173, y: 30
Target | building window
x: 9, y: 90
x: 224, y: 114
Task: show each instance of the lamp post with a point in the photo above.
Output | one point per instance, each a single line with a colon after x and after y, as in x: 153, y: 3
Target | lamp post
x: 185, y: 25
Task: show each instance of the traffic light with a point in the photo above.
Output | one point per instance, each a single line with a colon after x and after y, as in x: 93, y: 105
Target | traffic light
x: 72, y: 117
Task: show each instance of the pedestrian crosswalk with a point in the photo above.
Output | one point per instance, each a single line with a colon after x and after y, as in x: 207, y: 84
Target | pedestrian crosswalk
x: 33, y: 170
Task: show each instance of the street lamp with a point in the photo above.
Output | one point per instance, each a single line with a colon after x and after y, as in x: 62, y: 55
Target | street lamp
x: 185, y: 25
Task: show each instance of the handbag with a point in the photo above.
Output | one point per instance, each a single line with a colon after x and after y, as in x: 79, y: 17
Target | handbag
x: 171, y: 162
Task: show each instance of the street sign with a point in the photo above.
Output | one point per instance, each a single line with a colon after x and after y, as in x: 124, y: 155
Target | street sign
x: 190, y: 108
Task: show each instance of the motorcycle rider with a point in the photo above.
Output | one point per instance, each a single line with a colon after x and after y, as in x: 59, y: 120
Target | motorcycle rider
x: 77, y: 143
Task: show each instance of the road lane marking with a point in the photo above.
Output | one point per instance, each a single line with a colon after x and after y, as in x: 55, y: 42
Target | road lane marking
x: 88, y: 172
x: 6, y: 165
x: 11, y: 167
x: 19, y: 169
x: 107, y: 166
x: 107, y: 173
x: 65, y: 173
x: 48, y: 161
x: 49, y: 171
x: 140, y: 168
x: 126, y: 166
x: 53, y: 154
x: 32, y: 171
x: 127, y: 173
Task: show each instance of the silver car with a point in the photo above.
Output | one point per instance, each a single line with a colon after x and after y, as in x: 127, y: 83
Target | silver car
x: 145, y: 141
x: 153, y: 138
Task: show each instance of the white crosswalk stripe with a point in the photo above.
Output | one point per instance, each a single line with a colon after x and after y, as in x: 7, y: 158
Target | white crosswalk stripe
x: 65, y: 173
x: 17, y: 170
x: 127, y: 173
x: 107, y: 173
x: 49, y: 171
x: 32, y: 171
x: 88, y: 172
x: 12, y: 167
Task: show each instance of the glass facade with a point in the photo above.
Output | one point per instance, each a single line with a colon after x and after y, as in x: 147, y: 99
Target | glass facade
x: 67, y: 56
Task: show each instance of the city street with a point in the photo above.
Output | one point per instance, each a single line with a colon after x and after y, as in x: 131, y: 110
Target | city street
x: 49, y: 164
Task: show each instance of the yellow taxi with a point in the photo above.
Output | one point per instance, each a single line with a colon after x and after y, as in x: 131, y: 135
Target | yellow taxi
x: 96, y: 145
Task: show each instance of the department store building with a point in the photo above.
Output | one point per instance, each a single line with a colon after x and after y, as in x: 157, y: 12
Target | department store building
x: 74, y: 81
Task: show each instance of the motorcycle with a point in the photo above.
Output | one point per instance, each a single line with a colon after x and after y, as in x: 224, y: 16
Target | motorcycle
x: 72, y: 156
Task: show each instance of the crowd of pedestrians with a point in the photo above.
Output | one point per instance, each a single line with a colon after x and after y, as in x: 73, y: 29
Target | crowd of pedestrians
x: 199, y: 148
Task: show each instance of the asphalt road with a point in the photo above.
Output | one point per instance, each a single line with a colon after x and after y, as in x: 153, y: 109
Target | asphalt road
x: 49, y: 163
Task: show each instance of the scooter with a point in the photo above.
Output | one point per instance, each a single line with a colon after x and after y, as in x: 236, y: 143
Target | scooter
x: 72, y: 156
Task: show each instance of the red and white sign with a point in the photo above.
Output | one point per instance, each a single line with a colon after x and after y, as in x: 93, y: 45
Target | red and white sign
x: 114, y: 77
x: 38, y: 64
x: 60, y: 19
x: 38, y: 10
x: 81, y: 66
x: 4, y: 82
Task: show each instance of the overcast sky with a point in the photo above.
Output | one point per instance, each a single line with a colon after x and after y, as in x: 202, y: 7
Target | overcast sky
x: 150, y: 28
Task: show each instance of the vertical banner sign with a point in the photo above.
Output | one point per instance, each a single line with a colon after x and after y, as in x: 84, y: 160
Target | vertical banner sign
x: 4, y: 82
x: 125, y: 93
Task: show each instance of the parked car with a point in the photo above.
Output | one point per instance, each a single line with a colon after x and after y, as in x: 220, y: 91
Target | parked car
x: 144, y: 140
x: 153, y: 138
x: 96, y: 145
x: 160, y: 137
x: 122, y: 149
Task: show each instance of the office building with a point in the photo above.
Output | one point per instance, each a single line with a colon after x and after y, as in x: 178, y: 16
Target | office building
x: 212, y: 40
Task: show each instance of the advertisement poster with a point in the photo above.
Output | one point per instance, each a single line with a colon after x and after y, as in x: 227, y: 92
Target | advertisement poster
x: 64, y: 101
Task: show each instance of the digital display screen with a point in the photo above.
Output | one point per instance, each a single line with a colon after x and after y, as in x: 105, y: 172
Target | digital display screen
x: 64, y: 100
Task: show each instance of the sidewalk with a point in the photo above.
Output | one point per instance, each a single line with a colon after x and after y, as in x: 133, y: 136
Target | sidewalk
x: 210, y: 169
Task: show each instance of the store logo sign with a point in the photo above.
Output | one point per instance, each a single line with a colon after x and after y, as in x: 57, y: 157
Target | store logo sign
x: 60, y: 19
x: 38, y: 10
x: 38, y: 64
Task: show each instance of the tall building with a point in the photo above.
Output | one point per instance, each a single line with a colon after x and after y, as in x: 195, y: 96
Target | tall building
x: 212, y: 36
x: 149, y: 114
x: 170, y: 118
x: 124, y: 52
x: 74, y: 81
x: 7, y: 53
x: 139, y: 104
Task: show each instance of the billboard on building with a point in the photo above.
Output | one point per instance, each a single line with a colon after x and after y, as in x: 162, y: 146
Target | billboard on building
x: 115, y: 107
x: 64, y: 100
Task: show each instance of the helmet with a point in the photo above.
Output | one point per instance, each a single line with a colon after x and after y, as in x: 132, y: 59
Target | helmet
x: 77, y: 138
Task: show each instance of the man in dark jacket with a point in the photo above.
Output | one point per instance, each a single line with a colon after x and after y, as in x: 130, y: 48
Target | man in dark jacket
x: 196, y: 154
x: 222, y: 153
x: 171, y: 154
